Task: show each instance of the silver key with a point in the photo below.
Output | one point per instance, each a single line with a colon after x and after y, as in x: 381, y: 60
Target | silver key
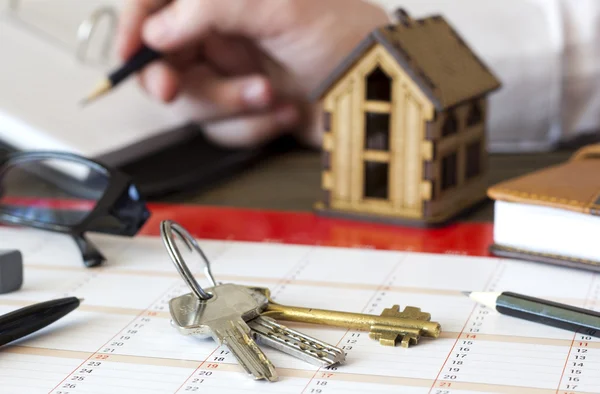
x: 224, y: 317
x: 268, y: 332
x: 220, y: 311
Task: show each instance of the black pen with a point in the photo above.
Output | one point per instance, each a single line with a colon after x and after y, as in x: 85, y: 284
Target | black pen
x: 139, y: 60
x: 545, y: 312
x: 21, y: 322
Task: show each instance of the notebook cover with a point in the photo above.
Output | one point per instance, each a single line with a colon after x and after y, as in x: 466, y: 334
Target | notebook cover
x: 573, y: 185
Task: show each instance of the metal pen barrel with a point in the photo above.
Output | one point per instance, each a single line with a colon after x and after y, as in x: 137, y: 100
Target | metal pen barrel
x: 549, y: 313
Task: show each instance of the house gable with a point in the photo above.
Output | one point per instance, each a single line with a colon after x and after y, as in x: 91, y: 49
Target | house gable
x: 337, y: 76
x: 377, y: 56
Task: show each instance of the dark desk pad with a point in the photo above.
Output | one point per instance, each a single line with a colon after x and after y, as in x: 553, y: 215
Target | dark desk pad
x: 188, y: 162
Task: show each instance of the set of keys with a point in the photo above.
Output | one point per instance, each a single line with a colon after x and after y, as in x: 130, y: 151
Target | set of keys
x: 243, y: 317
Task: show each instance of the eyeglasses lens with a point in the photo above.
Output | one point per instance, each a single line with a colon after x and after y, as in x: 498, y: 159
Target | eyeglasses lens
x: 51, y: 191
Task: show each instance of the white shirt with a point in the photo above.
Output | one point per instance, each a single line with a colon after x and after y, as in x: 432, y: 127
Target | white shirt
x: 546, y: 53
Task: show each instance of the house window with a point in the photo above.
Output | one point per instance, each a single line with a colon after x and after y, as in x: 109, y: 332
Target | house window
x: 327, y: 121
x: 379, y: 86
x: 449, y: 171
x: 475, y: 116
x: 473, y: 167
x: 377, y: 131
x: 376, y: 180
x: 450, y: 125
x: 326, y: 161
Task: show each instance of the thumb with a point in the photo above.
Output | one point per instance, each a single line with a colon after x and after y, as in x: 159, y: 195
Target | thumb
x: 185, y: 22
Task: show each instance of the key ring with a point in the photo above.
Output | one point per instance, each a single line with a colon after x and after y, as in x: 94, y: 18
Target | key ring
x: 167, y: 230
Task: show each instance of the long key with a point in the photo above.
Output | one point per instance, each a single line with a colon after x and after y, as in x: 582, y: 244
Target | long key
x: 268, y: 332
x: 220, y: 311
x: 224, y: 317
x: 391, y: 327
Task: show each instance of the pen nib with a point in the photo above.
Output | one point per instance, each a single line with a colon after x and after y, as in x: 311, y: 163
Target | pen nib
x: 100, y: 90
x: 467, y: 293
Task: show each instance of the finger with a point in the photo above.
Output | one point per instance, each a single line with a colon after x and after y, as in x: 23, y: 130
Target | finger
x: 253, y: 130
x: 160, y: 80
x: 185, y: 22
x: 231, y: 55
x: 129, y: 34
x: 204, y: 95
x: 183, y: 60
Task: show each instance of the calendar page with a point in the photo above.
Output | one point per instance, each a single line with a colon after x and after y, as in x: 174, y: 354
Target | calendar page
x: 120, y: 339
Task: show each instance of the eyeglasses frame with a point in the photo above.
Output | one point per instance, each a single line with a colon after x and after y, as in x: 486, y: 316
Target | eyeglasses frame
x: 119, y: 183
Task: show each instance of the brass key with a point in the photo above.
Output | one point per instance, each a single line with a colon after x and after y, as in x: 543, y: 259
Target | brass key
x: 392, y: 325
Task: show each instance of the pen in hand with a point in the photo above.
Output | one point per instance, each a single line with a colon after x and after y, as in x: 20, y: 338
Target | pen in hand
x: 138, y: 61
x: 21, y: 322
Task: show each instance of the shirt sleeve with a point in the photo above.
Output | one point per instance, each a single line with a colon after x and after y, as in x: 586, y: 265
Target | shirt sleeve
x: 545, y: 53
x: 581, y: 70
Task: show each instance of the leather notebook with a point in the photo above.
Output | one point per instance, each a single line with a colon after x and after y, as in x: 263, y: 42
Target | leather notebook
x: 551, y: 215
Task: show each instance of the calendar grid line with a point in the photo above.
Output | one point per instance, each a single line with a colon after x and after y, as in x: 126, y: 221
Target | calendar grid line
x: 495, y: 272
x: 588, y: 300
x: 97, y: 351
x: 382, y: 286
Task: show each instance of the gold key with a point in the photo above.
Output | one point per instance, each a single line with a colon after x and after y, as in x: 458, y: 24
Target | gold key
x: 392, y: 325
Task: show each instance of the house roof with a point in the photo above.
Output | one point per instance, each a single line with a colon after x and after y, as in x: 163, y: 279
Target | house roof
x: 433, y: 54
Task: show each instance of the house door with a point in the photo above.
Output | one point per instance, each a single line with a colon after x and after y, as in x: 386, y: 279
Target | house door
x: 377, y: 134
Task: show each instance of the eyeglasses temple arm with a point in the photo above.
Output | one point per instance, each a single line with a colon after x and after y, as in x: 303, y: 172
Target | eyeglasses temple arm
x: 90, y: 254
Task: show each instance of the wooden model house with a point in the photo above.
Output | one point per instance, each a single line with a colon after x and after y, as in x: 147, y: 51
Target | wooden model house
x: 404, y: 125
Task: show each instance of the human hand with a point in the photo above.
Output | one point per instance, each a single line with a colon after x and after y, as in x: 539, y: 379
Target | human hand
x: 243, y: 68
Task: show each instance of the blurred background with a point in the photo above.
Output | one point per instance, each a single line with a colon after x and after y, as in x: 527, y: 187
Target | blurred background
x: 545, y: 52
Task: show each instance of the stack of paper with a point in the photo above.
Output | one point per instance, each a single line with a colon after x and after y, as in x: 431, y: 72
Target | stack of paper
x: 42, y: 83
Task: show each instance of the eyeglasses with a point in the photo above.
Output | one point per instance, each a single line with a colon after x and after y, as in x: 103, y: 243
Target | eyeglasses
x: 67, y: 193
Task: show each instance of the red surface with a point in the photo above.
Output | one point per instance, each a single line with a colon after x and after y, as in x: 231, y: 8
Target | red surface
x: 48, y: 203
x: 302, y: 228
x: 310, y: 229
